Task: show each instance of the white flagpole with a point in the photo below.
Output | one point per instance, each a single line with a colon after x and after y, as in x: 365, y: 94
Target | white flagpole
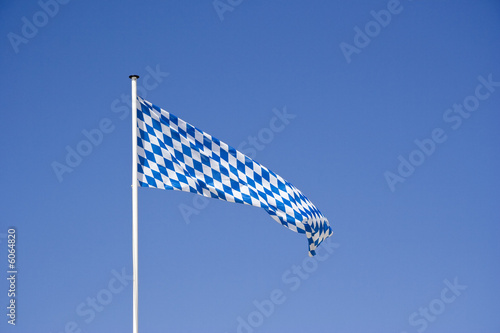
x: 135, y: 215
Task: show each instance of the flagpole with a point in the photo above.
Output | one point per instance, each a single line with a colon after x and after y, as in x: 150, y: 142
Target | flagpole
x: 135, y: 215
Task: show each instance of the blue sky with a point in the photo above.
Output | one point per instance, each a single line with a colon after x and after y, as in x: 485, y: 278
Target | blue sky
x: 392, y: 133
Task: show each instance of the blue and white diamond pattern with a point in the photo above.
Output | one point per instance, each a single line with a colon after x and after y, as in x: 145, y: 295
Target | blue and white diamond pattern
x: 175, y: 155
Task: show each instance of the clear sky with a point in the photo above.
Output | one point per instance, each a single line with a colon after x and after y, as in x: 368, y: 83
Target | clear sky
x: 385, y: 114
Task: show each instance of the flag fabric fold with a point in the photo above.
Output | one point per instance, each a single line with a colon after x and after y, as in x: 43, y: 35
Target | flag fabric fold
x: 174, y: 155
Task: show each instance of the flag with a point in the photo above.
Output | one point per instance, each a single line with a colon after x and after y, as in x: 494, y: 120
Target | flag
x: 174, y: 155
